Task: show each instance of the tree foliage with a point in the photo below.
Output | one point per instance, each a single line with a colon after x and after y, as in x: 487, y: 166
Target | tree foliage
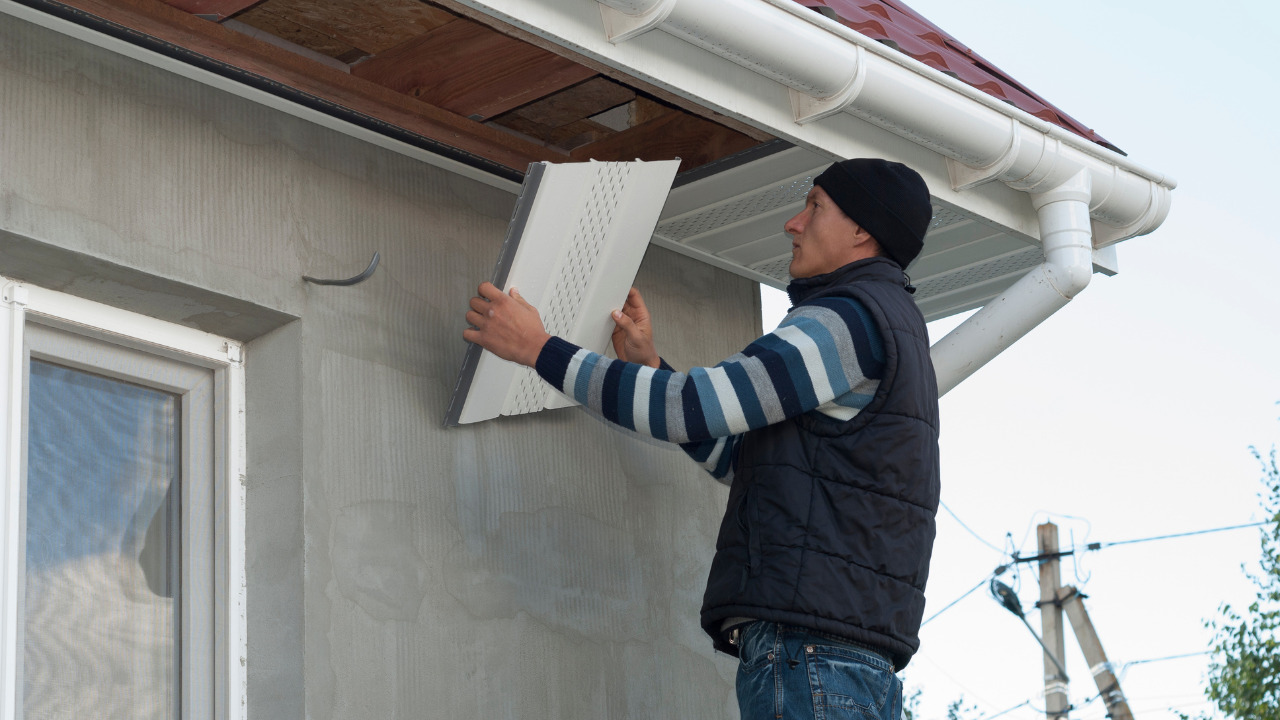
x: 911, y: 704
x: 1244, y: 671
x: 958, y: 710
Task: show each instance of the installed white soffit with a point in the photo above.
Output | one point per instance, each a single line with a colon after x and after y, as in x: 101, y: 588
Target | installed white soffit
x: 733, y: 219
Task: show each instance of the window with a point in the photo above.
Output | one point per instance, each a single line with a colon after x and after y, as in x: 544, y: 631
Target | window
x: 123, y: 529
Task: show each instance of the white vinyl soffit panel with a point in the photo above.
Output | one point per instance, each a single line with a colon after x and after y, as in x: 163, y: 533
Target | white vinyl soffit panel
x: 575, y: 242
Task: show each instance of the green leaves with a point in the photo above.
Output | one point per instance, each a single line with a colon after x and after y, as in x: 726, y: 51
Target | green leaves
x: 1244, y: 672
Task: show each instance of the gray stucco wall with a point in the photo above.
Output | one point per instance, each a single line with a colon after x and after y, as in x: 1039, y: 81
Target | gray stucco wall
x: 534, y: 567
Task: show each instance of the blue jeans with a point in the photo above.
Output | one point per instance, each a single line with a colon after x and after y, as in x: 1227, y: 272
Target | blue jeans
x: 791, y: 673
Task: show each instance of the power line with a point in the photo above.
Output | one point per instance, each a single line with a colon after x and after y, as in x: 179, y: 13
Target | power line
x: 1167, y: 657
x: 1100, y: 545
x: 976, y: 536
x: 1006, y: 711
x: 951, y: 604
x: 1095, y: 546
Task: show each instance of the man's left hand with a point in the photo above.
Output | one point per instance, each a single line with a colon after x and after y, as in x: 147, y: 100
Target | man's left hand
x: 505, y: 325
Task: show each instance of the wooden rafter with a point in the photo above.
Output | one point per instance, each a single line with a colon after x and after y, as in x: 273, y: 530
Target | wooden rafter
x: 696, y: 141
x: 664, y: 95
x: 214, y: 9
x: 580, y: 101
x: 351, y: 28
x: 471, y: 70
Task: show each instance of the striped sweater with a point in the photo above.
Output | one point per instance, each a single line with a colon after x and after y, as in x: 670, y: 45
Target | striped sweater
x: 826, y: 355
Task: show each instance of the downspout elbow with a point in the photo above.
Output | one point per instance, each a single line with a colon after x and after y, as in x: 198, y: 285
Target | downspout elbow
x: 1066, y: 236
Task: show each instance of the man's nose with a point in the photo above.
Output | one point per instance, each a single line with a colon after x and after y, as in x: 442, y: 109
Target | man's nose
x: 795, y: 225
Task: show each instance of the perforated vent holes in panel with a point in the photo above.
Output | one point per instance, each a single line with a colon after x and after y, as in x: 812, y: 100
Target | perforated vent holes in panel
x: 944, y: 216
x: 566, y: 292
x: 777, y: 268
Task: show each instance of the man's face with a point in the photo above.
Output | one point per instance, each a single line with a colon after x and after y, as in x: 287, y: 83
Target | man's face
x: 823, y: 238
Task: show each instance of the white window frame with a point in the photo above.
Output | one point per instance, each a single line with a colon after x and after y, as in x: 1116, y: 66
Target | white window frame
x: 20, y: 304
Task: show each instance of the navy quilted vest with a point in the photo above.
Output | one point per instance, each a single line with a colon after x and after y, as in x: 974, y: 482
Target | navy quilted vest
x: 830, y: 524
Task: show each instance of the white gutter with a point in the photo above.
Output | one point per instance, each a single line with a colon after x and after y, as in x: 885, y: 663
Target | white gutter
x: 1085, y: 196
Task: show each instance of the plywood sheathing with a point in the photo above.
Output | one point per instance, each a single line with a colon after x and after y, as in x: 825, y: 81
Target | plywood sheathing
x: 692, y: 139
x: 347, y: 30
x: 213, y: 9
x: 471, y: 70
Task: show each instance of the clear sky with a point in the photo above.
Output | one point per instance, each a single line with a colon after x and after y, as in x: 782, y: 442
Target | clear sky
x: 1130, y: 413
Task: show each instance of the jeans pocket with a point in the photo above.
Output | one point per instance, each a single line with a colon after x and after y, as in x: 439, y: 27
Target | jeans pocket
x: 756, y: 682
x: 756, y: 646
x: 847, y: 684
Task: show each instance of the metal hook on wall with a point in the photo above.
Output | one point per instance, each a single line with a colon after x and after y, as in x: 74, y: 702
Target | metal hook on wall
x: 373, y: 265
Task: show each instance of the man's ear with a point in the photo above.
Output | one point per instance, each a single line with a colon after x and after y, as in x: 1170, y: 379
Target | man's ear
x: 861, y: 236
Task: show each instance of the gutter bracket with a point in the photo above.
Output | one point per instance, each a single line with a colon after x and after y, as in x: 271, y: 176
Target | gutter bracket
x: 808, y: 108
x: 620, y: 27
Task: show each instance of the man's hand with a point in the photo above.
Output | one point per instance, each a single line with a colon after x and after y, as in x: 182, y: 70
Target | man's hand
x: 505, y: 325
x: 633, y: 332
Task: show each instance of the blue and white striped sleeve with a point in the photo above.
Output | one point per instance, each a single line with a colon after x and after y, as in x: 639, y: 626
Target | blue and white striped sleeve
x: 826, y: 355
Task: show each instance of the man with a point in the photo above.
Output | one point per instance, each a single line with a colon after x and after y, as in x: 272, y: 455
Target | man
x: 826, y: 429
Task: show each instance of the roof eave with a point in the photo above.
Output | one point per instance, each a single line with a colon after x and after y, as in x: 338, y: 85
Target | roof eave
x: 845, y: 96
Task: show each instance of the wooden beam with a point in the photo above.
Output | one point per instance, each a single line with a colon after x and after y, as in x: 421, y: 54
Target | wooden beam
x: 471, y: 70
x: 263, y: 19
x: 580, y: 101
x: 157, y: 20
x: 664, y: 95
x: 213, y: 9
x: 696, y: 141
x: 370, y: 26
x: 565, y: 137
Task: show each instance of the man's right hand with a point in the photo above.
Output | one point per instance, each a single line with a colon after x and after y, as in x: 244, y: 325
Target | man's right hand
x: 633, y: 332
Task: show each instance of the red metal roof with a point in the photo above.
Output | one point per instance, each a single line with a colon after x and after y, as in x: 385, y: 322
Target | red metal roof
x: 898, y: 26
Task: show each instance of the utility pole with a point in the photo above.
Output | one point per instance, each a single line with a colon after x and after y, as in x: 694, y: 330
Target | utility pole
x: 1108, y: 684
x: 1056, y: 702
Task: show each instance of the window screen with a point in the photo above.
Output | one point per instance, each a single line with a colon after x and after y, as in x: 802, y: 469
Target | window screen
x: 103, y: 546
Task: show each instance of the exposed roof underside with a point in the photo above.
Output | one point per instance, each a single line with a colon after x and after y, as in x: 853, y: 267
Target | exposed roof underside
x: 453, y: 80
x: 446, y: 77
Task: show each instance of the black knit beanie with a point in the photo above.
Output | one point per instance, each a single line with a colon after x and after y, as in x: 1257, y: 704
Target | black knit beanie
x: 887, y: 199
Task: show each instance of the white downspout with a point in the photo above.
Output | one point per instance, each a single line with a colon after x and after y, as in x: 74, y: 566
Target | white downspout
x: 1065, y: 234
